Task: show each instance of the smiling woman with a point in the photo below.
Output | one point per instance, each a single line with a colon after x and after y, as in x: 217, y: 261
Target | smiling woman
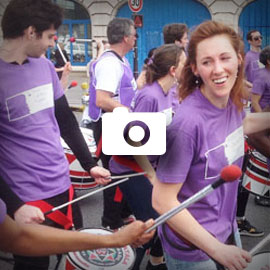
x: 199, y: 147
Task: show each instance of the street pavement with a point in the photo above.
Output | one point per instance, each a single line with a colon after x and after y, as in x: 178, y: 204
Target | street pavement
x: 92, y: 206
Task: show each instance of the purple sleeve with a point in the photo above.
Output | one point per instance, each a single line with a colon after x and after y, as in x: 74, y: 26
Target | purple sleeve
x: 145, y: 104
x: 174, y: 165
x: 3, y: 211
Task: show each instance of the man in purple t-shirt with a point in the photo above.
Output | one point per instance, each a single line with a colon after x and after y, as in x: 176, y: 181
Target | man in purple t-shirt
x: 252, y: 64
x: 33, y: 114
x: 252, y: 67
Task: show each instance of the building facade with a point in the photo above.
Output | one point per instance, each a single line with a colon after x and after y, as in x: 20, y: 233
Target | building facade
x: 88, y: 19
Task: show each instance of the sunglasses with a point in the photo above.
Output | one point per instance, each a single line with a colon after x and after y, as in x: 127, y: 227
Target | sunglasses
x: 257, y: 38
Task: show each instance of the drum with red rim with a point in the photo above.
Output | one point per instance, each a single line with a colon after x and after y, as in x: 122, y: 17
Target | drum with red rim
x: 256, y: 178
x: 80, y: 179
x: 103, y: 258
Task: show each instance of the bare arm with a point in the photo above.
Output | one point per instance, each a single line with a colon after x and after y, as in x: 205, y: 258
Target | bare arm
x: 105, y: 101
x: 256, y: 122
x: 164, y: 198
x: 34, y: 239
x: 255, y: 99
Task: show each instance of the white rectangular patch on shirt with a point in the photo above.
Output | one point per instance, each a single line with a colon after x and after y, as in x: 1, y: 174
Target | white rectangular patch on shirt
x: 234, y: 145
x: 36, y: 99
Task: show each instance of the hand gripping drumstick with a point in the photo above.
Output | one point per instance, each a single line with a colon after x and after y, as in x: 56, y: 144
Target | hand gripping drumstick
x: 127, y: 176
x: 228, y: 174
x: 260, y: 245
x: 60, y: 50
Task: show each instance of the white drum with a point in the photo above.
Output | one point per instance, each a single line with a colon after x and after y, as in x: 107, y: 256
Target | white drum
x: 103, y: 258
x: 79, y: 177
x: 260, y: 261
x: 256, y: 178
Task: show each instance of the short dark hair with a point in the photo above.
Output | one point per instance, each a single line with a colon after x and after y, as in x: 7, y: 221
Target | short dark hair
x: 173, y: 32
x: 118, y: 28
x: 20, y: 14
x: 249, y: 34
x: 265, y: 55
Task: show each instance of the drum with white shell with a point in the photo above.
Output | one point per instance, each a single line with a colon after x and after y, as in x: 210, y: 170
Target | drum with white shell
x: 256, y: 178
x: 79, y: 177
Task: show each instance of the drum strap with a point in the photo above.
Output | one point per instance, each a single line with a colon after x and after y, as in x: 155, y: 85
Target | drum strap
x: 133, y: 165
x: 57, y: 216
x: 130, y: 164
x: 99, y: 147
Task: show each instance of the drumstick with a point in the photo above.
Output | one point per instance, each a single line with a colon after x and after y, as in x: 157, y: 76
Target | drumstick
x: 73, y: 39
x: 126, y: 177
x: 228, y: 174
x: 85, y: 196
x: 260, y: 245
x: 60, y: 50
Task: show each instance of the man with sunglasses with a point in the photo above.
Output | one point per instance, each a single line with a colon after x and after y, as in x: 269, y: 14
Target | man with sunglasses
x: 252, y: 65
x: 254, y: 38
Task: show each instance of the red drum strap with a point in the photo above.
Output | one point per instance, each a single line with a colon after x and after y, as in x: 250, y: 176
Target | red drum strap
x: 57, y: 216
x: 99, y: 147
x: 128, y: 163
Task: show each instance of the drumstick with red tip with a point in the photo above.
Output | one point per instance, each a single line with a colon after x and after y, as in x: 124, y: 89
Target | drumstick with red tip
x: 60, y: 50
x: 228, y: 174
x: 126, y: 177
x: 73, y: 84
x: 73, y: 39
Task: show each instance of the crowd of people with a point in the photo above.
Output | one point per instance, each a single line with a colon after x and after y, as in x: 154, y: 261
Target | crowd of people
x: 200, y: 83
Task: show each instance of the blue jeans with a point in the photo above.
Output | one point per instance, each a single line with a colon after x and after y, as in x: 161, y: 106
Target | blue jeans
x: 175, y: 264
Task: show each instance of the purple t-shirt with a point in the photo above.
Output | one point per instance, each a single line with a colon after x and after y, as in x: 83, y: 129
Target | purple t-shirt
x: 251, y: 65
x: 261, y: 86
x: 201, y: 140
x: 3, y: 211
x: 150, y: 98
x: 32, y: 158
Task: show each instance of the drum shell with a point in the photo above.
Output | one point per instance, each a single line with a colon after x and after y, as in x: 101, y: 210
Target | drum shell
x: 260, y: 261
x: 80, y: 179
x: 256, y: 178
x: 101, y: 259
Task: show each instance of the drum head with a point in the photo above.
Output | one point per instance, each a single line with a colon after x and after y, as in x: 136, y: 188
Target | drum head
x: 260, y: 261
x: 104, y: 258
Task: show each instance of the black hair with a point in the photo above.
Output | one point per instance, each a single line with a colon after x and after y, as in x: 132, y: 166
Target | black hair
x: 265, y: 55
x: 20, y: 14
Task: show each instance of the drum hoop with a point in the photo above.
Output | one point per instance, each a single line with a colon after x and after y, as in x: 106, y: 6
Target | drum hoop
x: 259, y: 253
x: 72, y: 261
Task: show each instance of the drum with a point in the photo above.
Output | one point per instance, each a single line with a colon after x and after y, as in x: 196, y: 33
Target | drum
x: 260, y: 261
x: 101, y: 259
x: 256, y: 178
x: 80, y: 179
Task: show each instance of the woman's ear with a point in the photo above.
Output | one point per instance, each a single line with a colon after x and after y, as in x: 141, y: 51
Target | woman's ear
x: 172, y: 71
x: 194, y: 70
x: 240, y: 59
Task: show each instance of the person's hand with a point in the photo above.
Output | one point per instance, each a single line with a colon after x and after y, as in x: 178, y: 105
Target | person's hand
x: 134, y: 234
x: 101, y: 175
x: 29, y: 214
x: 232, y: 257
x: 65, y: 75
